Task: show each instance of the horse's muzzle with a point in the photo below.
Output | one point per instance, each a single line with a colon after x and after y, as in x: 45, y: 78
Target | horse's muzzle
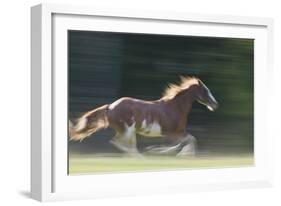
x: 213, y: 106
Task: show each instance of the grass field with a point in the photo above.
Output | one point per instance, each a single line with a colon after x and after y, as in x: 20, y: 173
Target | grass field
x: 85, y: 164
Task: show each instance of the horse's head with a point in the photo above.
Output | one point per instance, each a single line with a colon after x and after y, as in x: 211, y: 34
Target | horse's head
x: 188, y: 85
x: 205, y: 97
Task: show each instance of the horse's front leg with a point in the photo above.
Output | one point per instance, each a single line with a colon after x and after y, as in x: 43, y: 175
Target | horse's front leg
x: 189, y: 146
x: 164, y: 149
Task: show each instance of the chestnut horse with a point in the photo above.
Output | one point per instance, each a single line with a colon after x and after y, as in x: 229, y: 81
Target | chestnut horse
x: 166, y: 117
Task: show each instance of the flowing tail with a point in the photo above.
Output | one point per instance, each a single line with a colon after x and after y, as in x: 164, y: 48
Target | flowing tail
x: 89, y: 123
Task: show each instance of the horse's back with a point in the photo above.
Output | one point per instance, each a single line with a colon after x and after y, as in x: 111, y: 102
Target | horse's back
x: 128, y: 110
x: 124, y: 103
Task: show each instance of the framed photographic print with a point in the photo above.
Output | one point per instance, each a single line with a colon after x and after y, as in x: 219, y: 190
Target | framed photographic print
x: 138, y: 102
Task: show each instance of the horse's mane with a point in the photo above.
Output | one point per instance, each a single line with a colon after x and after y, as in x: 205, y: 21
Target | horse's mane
x: 173, y: 89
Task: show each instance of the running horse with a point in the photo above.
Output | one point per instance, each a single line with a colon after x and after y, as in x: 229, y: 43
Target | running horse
x: 166, y: 117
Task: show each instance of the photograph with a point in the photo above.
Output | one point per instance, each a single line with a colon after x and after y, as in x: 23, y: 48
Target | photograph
x: 157, y: 102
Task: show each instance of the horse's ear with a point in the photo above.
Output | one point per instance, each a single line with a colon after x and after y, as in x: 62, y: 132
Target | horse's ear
x: 199, y: 81
x: 201, y: 84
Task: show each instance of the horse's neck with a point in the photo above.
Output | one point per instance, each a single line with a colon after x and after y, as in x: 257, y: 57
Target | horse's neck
x: 184, y: 101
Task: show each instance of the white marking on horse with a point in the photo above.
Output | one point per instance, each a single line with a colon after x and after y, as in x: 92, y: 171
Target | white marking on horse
x: 211, y: 96
x: 143, y: 124
x: 210, y: 108
x: 151, y: 130
x: 155, y: 129
x: 209, y: 93
x: 114, y: 104
x: 130, y: 130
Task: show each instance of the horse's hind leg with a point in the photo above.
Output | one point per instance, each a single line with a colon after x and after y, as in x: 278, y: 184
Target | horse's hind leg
x: 118, y: 143
x: 189, y: 144
x: 126, y: 142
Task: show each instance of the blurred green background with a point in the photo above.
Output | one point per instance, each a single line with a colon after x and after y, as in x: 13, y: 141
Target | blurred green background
x: 105, y: 66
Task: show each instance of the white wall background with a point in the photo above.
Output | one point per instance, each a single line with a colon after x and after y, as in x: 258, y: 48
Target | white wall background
x: 15, y: 101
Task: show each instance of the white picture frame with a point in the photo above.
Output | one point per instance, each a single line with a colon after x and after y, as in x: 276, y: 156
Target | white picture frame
x: 49, y: 180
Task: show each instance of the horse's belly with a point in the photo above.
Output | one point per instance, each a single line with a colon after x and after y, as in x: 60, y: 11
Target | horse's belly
x: 151, y: 130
